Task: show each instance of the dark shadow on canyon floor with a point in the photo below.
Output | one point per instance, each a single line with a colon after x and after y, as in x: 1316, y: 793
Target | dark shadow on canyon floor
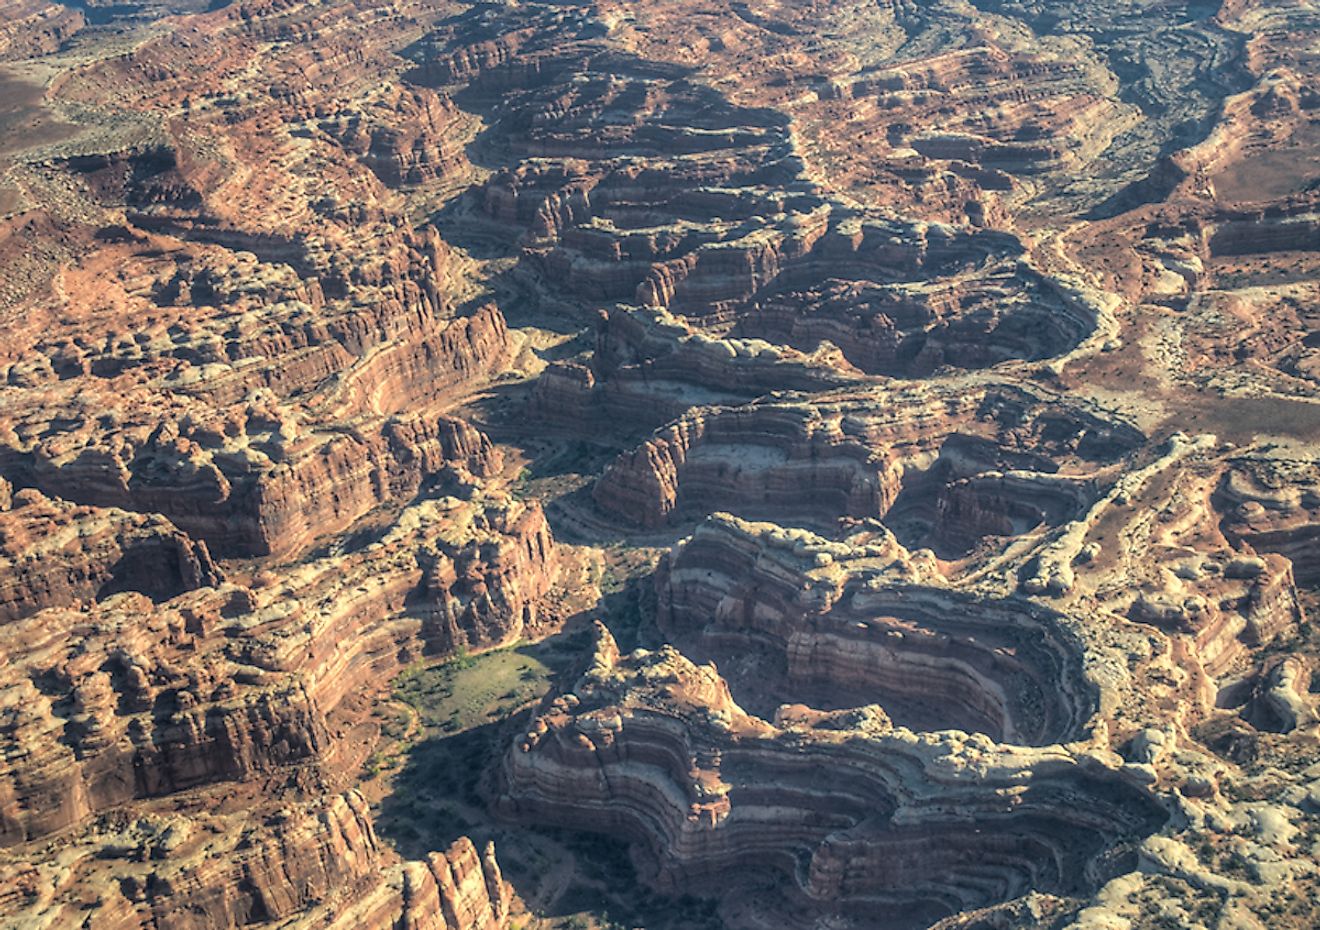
x: 471, y: 709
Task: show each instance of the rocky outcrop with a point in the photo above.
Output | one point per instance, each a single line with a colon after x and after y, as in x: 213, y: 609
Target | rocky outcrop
x: 1004, y: 504
x: 281, y: 867
x: 846, y: 625
x: 650, y: 367
x: 1278, y: 228
x: 133, y: 700
x: 919, y: 452
x: 83, y: 737
x: 486, y: 577
x: 35, y: 27
x: 459, y: 890
x: 849, y: 815
x: 1272, y: 503
x: 253, y: 481
x: 1280, y: 699
x: 969, y: 323
x: 407, y: 136
x: 54, y: 554
x: 1061, y: 128
x: 316, y: 863
x: 283, y: 323
x: 780, y: 460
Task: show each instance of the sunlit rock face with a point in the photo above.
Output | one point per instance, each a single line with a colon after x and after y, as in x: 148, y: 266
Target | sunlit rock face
x: 849, y: 809
x: 839, y: 466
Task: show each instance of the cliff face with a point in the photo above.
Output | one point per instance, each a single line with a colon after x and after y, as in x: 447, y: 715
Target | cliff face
x: 780, y: 460
x: 931, y: 458
x: 836, y: 625
x: 227, y: 684
x: 846, y: 807
x: 970, y: 352
x: 229, y: 692
x: 245, y: 482
x: 279, y: 868
x: 320, y: 862
x: 485, y: 583
x: 252, y: 479
x: 98, y: 713
x: 650, y: 367
x: 459, y: 890
x: 56, y: 554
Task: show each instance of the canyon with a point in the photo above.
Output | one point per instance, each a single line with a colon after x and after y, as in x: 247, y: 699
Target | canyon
x: 573, y: 466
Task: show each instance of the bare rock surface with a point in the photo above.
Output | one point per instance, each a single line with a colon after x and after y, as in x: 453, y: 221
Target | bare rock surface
x: 566, y: 466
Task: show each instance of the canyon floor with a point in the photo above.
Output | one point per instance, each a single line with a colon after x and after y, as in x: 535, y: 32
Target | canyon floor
x: 753, y: 465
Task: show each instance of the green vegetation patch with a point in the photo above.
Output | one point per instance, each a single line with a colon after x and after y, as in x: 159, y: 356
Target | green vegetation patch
x: 471, y: 691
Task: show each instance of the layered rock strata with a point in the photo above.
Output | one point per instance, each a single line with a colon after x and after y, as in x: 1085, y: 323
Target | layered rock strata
x: 58, y: 554
x: 226, y: 683
x: 720, y: 240
x: 850, y: 812
x: 837, y: 627
x: 1273, y: 503
x: 943, y: 457
x: 255, y: 261
x: 253, y: 482
x: 320, y: 863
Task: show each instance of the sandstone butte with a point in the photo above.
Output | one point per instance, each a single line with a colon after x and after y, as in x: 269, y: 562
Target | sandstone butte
x: 748, y: 465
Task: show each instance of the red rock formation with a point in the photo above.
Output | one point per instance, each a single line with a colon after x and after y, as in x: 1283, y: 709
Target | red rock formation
x: 318, y: 863
x: 54, y: 554
x: 83, y: 739
x: 836, y: 622
x: 855, y: 458
x: 29, y: 28
x: 251, y: 482
x: 486, y: 581
x: 652, y: 747
x: 1004, y: 504
x: 910, y: 274
x: 455, y: 891
x: 408, y: 136
x: 972, y: 323
x: 227, y: 683
x: 294, y: 860
x: 1286, y: 227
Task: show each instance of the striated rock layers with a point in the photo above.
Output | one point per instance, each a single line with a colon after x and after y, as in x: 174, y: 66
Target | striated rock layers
x: 713, y: 248
x: 837, y: 629
x: 968, y: 322
x: 227, y: 683
x: 487, y: 575
x: 98, y: 711
x: 821, y: 814
x: 1003, y: 313
x: 1272, y: 502
x: 406, y: 136
x: 319, y: 862
x: 964, y: 465
x: 57, y: 554
x: 250, y: 478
